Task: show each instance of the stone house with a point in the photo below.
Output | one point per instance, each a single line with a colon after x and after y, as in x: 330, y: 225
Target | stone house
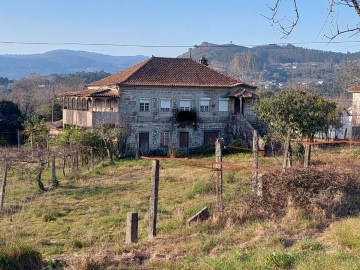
x: 168, y: 102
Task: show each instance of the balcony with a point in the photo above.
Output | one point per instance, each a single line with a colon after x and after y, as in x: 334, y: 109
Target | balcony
x: 185, y: 118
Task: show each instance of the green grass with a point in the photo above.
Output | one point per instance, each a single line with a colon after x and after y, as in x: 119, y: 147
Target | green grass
x: 86, y: 216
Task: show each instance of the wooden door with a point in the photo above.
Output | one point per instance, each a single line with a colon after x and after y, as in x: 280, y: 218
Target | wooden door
x: 237, y: 107
x: 210, y: 137
x: 184, y: 139
x: 143, y: 144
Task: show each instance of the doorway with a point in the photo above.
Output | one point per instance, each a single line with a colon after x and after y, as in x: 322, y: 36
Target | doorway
x: 144, y: 144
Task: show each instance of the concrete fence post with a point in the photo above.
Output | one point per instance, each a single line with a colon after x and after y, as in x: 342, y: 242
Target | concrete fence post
x: 219, y: 174
x: 131, y: 227
x: 3, y: 186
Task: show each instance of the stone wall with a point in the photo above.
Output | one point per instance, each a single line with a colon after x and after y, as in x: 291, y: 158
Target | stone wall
x: 156, y: 121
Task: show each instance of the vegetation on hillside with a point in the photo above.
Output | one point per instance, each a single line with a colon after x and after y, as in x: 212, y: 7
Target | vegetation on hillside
x: 273, y: 65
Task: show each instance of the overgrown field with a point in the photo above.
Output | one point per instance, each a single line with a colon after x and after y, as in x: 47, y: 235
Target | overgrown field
x: 81, y: 224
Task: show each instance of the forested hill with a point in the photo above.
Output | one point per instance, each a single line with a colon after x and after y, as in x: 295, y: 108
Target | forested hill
x: 267, y: 65
x: 63, y: 62
x: 274, y: 65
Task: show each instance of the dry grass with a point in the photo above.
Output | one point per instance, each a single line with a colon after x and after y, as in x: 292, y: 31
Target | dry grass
x: 81, y: 225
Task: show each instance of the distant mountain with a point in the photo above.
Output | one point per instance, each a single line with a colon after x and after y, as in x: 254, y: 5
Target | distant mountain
x: 273, y: 65
x: 63, y: 62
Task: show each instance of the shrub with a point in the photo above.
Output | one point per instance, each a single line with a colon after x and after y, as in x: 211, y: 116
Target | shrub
x: 298, y: 151
x: 174, y: 152
x: 22, y: 257
x: 323, y: 195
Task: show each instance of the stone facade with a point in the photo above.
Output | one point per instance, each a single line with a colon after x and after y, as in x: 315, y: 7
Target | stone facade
x: 158, y: 121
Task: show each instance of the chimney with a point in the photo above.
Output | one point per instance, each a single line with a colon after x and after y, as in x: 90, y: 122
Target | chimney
x: 204, y: 61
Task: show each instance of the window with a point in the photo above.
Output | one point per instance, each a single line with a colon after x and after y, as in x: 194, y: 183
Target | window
x: 165, y: 105
x: 165, y: 138
x: 223, y: 104
x: 204, y: 104
x: 144, y: 105
x: 185, y: 105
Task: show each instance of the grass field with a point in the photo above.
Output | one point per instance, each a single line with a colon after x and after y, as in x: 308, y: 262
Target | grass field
x: 81, y: 224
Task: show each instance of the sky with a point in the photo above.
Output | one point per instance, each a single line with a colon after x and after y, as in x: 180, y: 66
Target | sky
x: 164, y: 28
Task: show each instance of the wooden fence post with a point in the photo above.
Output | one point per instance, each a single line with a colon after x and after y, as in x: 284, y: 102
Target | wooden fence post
x: 131, y: 227
x: 307, y: 154
x: 154, y: 198
x: 219, y: 174
x: 3, y: 186
x: 137, y: 146
x: 18, y: 138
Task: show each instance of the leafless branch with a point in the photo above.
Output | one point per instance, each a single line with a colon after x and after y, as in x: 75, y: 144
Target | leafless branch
x: 286, y: 25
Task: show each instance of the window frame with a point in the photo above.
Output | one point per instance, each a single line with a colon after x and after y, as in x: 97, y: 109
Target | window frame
x: 204, y: 104
x: 165, y: 139
x: 165, y: 108
x: 185, y: 108
x: 222, y: 107
x: 144, y: 104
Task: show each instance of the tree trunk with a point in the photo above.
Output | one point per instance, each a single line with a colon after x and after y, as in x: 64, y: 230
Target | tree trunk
x: 40, y: 169
x: 54, y: 180
x: 3, y: 186
x: 110, y: 152
x: 64, y: 165
x: 307, y: 154
x: 92, y: 158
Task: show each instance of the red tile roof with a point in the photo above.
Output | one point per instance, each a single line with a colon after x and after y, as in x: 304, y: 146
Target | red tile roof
x: 99, y: 92
x: 355, y: 88
x: 159, y: 71
x: 243, y: 93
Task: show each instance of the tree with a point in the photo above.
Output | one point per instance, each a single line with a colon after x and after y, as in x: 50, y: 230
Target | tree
x: 37, y: 131
x: 117, y: 132
x: 294, y: 113
x: 10, y: 121
x: 29, y: 94
x: 286, y: 24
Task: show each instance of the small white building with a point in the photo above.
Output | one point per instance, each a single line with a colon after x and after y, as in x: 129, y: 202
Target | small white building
x: 345, y: 132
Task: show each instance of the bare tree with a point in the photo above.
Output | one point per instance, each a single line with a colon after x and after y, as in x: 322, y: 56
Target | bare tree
x: 29, y: 94
x: 348, y: 75
x: 286, y: 23
x: 114, y: 133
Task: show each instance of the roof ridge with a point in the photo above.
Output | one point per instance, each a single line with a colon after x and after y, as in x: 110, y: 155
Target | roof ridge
x: 138, y: 67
